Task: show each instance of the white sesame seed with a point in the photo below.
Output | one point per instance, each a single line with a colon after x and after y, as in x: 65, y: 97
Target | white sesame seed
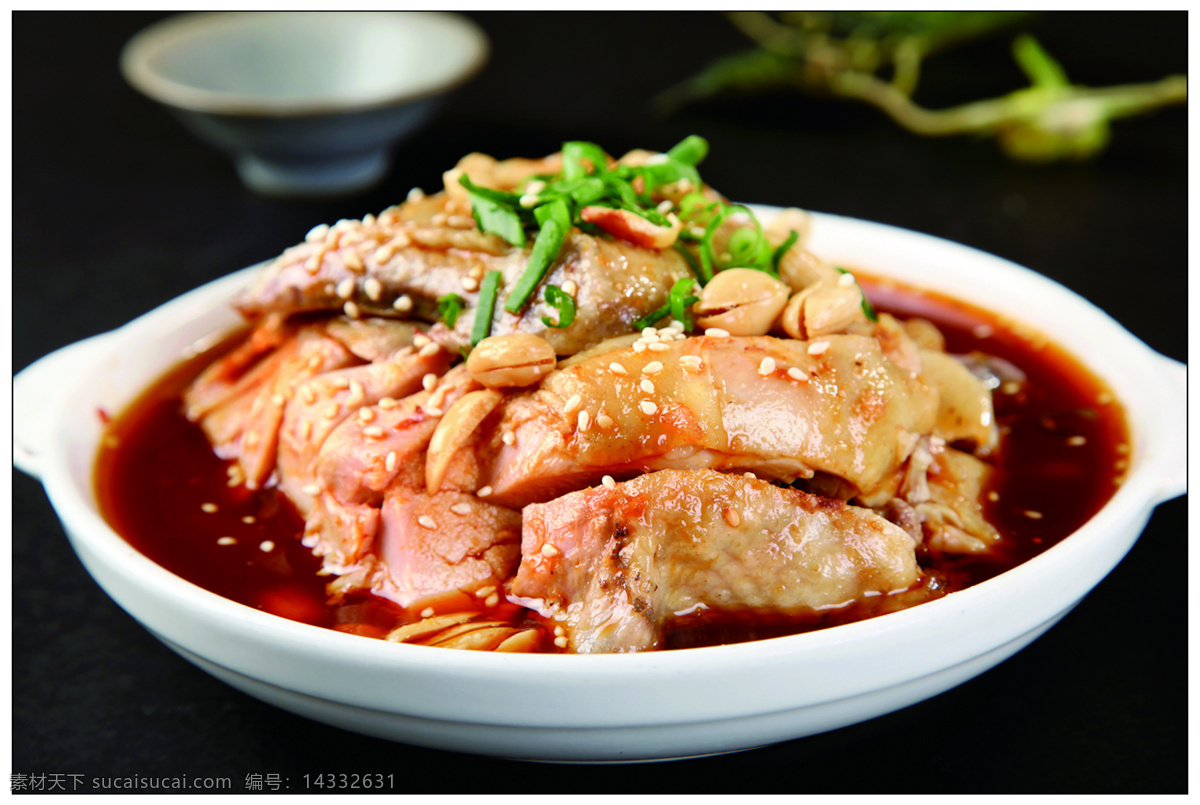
x: 249, y: 519
x: 345, y: 288
x: 484, y: 491
x: 796, y: 373
x: 617, y: 369
x: 430, y: 349
x: 570, y: 288
x: 1076, y: 441
x: 340, y: 383
x: 384, y: 253
x: 277, y: 400
x: 416, y: 194
x: 470, y: 284
x: 353, y: 262
x: 389, y: 463
x: 698, y: 231
x: 559, y: 631
x: 639, y: 346
x: 548, y: 549
x: 818, y: 347
x: 388, y: 403
x: 429, y: 382
x: 403, y: 303
x: 648, y: 407
x: 584, y: 420
x: 1033, y: 515
x: 427, y: 612
x: 226, y: 541
x: 311, y: 489
x: 425, y: 521
x: 373, y: 432
x: 306, y: 429
x: 751, y: 476
x: 571, y: 404
x: 732, y: 517
x: 439, y: 219
x: 665, y: 207
x: 308, y: 395
x: 609, y: 482
x: 650, y: 333
x: 846, y: 280
x: 652, y: 368
x: 266, y: 546
x: 492, y: 600
x: 605, y: 421
x: 509, y: 438
x: 658, y: 159
x: 528, y: 200
x: 433, y: 410
x: 646, y: 385
x: 420, y: 340
x: 658, y: 346
x: 461, y: 508
x: 716, y: 332
x: 373, y: 288
x: 460, y: 221
x: 331, y: 410
x: 208, y: 507
x: 317, y: 233
x: 366, y: 414
x: 561, y: 642
x: 993, y: 496
x: 766, y: 367
x: 351, y: 310
x: 314, y: 362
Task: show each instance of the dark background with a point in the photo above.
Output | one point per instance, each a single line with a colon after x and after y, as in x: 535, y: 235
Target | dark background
x: 117, y: 210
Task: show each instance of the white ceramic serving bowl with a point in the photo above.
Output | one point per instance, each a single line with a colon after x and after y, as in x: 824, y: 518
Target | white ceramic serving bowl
x: 615, y: 707
x: 308, y: 103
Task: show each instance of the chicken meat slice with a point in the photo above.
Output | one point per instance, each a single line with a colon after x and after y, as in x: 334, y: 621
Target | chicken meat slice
x: 400, y: 263
x: 621, y: 562
x: 780, y: 408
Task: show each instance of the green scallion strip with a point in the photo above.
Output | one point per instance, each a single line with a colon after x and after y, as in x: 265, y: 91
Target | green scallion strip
x: 488, y: 289
x: 691, y: 150
x: 558, y: 298
x: 778, y: 254
x: 449, y: 306
x: 651, y: 317
x: 681, y: 300
x: 556, y: 222
x: 496, y: 212
x: 574, y: 153
x: 693, y: 264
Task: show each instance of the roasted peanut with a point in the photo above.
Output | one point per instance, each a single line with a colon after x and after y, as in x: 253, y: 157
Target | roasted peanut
x: 801, y: 269
x: 455, y: 430
x: 821, y: 309
x: 743, y: 301
x: 515, y: 359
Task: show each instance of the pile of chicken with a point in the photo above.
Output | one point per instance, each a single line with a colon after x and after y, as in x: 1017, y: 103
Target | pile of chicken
x: 790, y: 455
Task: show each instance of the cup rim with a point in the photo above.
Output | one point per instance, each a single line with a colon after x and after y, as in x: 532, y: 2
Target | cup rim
x: 137, y: 56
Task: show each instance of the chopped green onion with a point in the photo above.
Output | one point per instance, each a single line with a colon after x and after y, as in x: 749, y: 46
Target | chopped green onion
x: 449, y: 306
x: 558, y: 298
x: 494, y: 212
x: 867, y: 308
x: 574, y: 153
x: 681, y: 300
x: 486, y: 308
x: 777, y: 255
x: 651, y: 317
x: 690, y: 151
x: 556, y: 222
x: 695, y: 266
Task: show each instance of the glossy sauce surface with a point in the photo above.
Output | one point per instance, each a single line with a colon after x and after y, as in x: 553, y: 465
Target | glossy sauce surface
x: 159, y: 484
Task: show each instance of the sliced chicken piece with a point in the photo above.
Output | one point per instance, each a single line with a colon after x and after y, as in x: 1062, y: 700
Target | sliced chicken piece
x: 245, y: 424
x: 621, y: 562
x: 432, y: 544
x: 362, y: 458
x: 965, y: 412
x: 400, y: 263
x: 952, y: 518
x: 783, y: 409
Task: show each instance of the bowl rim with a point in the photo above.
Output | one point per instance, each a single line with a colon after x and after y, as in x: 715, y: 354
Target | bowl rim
x: 1103, y: 533
x: 136, y: 58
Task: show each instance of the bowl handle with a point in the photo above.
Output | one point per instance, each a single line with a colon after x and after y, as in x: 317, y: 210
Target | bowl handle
x: 34, y: 393
x: 1174, y: 402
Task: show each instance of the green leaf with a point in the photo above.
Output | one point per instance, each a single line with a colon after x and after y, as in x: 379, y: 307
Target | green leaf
x: 558, y: 298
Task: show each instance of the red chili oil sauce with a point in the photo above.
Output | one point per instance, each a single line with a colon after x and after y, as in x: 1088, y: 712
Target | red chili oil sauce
x: 1063, y: 450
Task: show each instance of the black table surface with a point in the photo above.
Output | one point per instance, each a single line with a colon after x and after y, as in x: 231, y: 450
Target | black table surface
x: 116, y: 209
